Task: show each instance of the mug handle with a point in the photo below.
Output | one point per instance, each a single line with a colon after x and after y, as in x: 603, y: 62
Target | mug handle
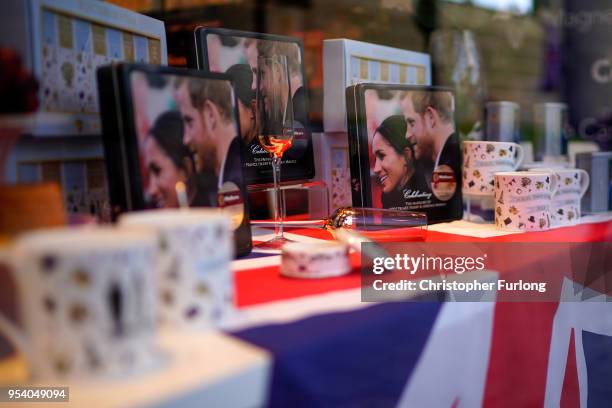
x: 520, y: 155
x: 8, y: 329
x: 585, y: 180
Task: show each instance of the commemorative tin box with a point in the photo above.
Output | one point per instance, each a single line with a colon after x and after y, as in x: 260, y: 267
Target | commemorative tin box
x: 404, y: 149
x: 171, y: 138
x: 235, y: 53
x: 62, y: 42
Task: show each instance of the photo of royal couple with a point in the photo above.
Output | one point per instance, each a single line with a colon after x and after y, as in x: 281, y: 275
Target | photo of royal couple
x: 235, y: 55
x: 239, y: 55
x: 414, y: 162
x: 188, y: 139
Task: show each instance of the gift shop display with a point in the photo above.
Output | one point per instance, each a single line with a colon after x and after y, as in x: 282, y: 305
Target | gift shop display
x: 197, y: 216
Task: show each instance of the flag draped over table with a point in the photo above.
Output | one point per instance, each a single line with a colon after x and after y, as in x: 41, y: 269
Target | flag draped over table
x: 430, y: 354
x: 426, y: 354
x: 336, y: 360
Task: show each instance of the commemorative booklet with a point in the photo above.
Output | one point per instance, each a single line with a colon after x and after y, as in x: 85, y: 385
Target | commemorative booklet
x: 171, y: 137
x: 404, y: 149
x: 235, y: 53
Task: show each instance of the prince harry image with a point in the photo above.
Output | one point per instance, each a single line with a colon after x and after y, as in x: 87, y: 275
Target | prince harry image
x: 210, y: 130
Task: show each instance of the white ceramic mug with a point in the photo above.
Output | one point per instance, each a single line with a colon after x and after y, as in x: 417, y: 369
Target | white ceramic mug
x: 565, y: 206
x: 86, y: 302
x: 482, y: 159
x: 195, y: 282
x: 523, y: 200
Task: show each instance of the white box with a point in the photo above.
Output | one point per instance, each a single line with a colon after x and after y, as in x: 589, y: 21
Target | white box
x: 333, y: 168
x: 63, y: 42
x: 349, y: 62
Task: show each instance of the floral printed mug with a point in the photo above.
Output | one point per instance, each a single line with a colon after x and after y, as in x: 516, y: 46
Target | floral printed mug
x: 86, y: 302
x: 565, y: 206
x: 195, y: 247
x: 482, y: 159
x: 523, y: 200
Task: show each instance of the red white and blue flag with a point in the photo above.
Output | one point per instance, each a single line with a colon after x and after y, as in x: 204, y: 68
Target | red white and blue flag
x: 329, y: 349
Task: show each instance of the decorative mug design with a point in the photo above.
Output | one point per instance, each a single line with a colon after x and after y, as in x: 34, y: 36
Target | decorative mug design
x: 565, y: 205
x: 86, y: 300
x: 195, y: 248
x: 482, y: 159
x: 523, y: 200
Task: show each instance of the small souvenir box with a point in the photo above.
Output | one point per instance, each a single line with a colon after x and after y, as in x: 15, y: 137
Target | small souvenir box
x: 404, y: 149
x: 236, y: 53
x: 349, y: 62
x: 63, y: 42
x: 171, y: 139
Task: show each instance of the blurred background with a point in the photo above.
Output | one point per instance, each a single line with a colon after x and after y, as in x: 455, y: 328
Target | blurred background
x: 526, y: 51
